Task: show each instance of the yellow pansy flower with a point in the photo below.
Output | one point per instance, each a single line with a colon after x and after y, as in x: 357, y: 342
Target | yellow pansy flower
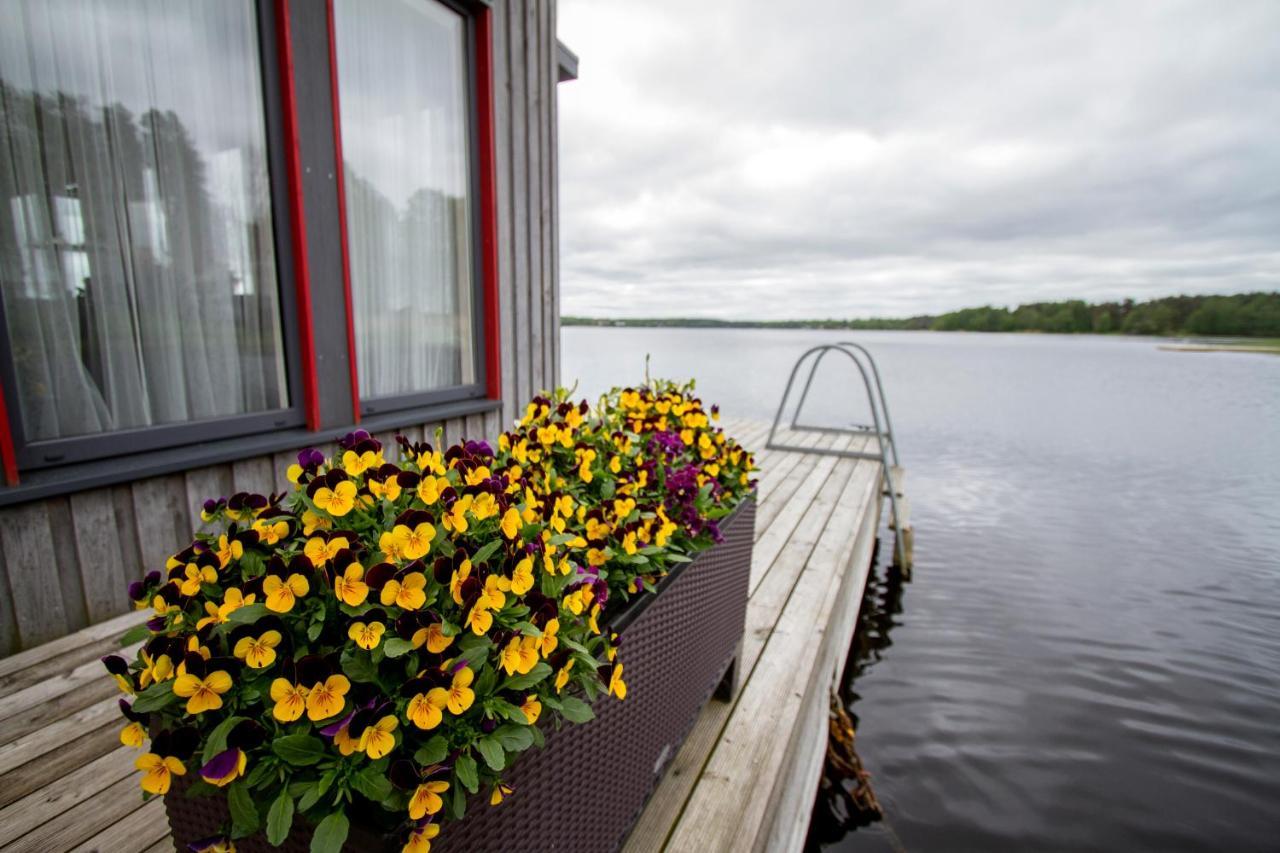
x: 367, y: 636
x: 283, y: 593
x: 326, y: 699
x: 290, y: 700
x: 350, y: 587
x: 258, y: 652
x: 337, y: 501
x: 377, y: 740
x: 202, y: 694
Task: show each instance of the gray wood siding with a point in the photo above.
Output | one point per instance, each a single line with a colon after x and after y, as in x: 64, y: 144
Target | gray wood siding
x: 65, y: 561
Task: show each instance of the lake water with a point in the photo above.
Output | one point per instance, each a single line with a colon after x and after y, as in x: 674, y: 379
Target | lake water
x: 1089, y: 653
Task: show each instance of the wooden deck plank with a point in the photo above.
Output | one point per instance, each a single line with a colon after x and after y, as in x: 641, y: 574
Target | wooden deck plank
x: 56, y: 733
x: 144, y: 827
x: 763, y: 610
x: 38, y: 716
x: 106, y: 807
x: 796, y: 783
x: 164, y: 845
x: 109, y: 629
x: 733, y: 797
x: 34, y: 775
x: 55, y: 685
x: 61, y: 795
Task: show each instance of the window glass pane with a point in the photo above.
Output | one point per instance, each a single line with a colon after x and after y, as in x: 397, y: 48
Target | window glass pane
x: 139, y: 275
x: 402, y: 81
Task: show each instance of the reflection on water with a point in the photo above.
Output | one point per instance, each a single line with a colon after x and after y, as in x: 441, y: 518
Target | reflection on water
x: 1089, y: 651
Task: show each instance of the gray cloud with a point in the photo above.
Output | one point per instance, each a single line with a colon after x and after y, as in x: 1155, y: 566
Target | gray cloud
x: 758, y: 159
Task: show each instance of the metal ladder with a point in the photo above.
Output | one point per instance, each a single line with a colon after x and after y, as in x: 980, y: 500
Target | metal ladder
x: 881, y: 427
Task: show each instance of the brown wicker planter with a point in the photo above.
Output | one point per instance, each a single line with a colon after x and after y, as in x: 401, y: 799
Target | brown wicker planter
x: 585, y: 789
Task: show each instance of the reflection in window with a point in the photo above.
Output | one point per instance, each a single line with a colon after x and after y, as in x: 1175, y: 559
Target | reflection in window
x: 402, y: 75
x: 136, y: 256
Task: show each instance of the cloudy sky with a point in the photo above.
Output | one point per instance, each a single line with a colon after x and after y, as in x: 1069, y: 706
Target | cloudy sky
x: 750, y: 158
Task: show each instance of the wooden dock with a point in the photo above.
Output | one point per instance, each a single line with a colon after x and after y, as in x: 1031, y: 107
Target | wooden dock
x: 744, y: 780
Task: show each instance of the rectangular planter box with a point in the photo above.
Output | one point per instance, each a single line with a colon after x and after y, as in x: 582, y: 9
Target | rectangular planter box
x: 586, y: 787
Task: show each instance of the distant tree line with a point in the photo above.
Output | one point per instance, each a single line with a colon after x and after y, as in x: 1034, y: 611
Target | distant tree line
x: 1240, y: 315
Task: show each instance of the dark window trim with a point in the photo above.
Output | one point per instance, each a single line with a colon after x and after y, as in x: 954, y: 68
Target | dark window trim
x: 385, y: 405
x: 67, y: 479
x: 33, y: 456
x: 373, y: 406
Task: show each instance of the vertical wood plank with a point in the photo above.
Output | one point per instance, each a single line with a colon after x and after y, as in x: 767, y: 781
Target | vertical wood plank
x: 505, y: 200
x: 10, y: 642
x: 280, y: 463
x: 493, y: 425
x: 429, y: 434
x: 102, y: 565
x: 533, y: 144
x: 204, y: 484
x: 252, y: 475
x: 66, y: 561
x: 127, y: 532
x: 161, y: 519
x: 28, y: 556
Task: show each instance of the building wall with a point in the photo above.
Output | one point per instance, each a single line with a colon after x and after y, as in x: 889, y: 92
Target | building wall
x: 65, y: 561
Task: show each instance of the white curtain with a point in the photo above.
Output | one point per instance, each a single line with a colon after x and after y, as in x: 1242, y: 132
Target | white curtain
x: 403, y: 96
x: 136, y: 254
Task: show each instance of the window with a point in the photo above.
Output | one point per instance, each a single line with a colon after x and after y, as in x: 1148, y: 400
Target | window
x: 138, y: 260
x: 403, y: 72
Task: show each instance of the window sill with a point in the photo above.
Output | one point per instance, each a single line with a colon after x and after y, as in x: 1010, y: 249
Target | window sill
x: 52, y: 482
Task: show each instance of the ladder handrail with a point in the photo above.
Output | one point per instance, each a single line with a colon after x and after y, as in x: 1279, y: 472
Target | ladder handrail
x: 883, y: 436
x: 875, y: 372
x: 884, y: 404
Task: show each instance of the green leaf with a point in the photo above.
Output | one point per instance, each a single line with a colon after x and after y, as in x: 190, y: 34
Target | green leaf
x: 486, y: 552
x: 244, y: 814
x: 299, y: 750
x: 432, y: 752
x: 357, y: 666
x: 136, y: 634
x: 676, y: 557
x: 532, y: 677
x: 280, y: 819
x: 465, y: 769
x: 492, y: 752
x: 315, y: 630
x: 262, y: 769
x: 561, y: 538
x: 506, y: 709
x: 311, y: 797
x: 154, y: 698
x: 575, y: 710
x: 456, y: 803
x: 475, y: 656
x: 528, y: 629
x: 397, y: 647
x: 217, y: 741
x: 607, y: 489
x: 252, y: 561
x: 248, y: 614
x: 373, y: 783
x: 331, y: 834
x: 514, y: 738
